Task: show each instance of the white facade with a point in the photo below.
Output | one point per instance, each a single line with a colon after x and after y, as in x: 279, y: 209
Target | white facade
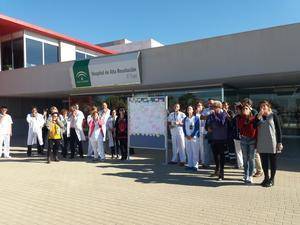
x: 126, y: 45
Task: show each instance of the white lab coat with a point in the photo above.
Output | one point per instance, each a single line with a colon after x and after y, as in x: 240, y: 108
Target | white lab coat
x: 90, y: 146
x: 35, y: 125
x: 104, y: 117
x: 78, y: 120
x: 110, y: 124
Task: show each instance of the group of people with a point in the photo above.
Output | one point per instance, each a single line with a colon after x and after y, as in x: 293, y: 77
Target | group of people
x: 250, y: 139
x: 65, y: 131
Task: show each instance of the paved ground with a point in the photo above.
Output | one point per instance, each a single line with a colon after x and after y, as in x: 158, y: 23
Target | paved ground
x: 142, y: 191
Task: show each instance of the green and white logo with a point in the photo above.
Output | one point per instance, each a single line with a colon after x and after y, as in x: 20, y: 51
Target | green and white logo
x: 81, y: 73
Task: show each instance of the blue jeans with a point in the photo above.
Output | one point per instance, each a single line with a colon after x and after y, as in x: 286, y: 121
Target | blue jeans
x: 248, y: 149
x: 207, y: 152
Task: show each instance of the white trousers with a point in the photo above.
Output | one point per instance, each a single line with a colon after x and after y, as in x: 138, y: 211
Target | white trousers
x: 239, y: 153
x: 192, y: 151
x: 90, y: 149
x: 178, y: 147
x: 201, y: 149
x: 97, y: 146
x: 4, y: 144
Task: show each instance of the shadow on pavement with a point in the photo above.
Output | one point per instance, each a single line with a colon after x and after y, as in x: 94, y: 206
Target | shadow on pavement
x: 148, y: 172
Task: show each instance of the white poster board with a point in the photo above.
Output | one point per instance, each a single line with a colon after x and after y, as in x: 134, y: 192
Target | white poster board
x: 147, y: 123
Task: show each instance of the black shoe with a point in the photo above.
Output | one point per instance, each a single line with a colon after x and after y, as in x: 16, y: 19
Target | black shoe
x: 172, y: 163
x: 221, y: 176
x: 215, y: 174
x: 264, y: 182
x: 71, y: 157
x: 269, y: 183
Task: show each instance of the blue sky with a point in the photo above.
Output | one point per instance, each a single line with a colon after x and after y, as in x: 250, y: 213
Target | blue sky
x: 166, y: 21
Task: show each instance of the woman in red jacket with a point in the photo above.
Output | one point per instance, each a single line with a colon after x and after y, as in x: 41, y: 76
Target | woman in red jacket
x: 121, y: 127
x: 248, y: 141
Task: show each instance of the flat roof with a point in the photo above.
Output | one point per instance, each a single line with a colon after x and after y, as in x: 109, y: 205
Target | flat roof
x: 10, y: 25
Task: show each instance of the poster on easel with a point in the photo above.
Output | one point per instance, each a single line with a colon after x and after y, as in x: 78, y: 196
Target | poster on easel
x: 147, y: 122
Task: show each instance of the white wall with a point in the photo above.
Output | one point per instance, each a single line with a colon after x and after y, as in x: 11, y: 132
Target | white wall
x: 67, y: 52
x: 135, y: 46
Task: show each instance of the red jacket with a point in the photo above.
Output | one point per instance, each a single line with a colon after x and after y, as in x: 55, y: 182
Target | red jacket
x: 246, y: 127
x: 92, y: 126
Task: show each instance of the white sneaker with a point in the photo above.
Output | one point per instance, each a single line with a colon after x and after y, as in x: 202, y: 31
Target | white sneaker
x: 249, y: 180
x: 7, y: 156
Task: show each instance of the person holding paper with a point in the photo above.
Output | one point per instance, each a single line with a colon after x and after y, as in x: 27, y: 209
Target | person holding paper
x: 35, y: 122
x: 269, y: 141
x: 96, y: 135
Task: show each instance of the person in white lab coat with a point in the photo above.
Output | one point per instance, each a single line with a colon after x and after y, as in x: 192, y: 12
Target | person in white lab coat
x: 96, y: 136
x: 178, y: 143
x: 76, y: 131
x: 35, y: 122
x: 104, y: 115
x: 192, y: 134
x: 66, y: 134
x: 112, y: 134
x: 5, y: 132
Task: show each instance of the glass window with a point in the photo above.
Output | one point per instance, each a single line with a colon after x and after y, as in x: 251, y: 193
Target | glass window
x: 50, y: 54
x: 89, y: 56
x: 18, y: 53
x: 285, y: 102
x: 34, y: 53
x: 80, y: 56
x: 6, y: 55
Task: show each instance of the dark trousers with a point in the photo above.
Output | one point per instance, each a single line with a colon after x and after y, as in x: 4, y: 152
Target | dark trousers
x: 123, y: 148
x: 266, y: 160
x: 65, y: 145
x: 112, y: 150
x: 53, y: 145
x: 40, y: 148
x: 45, y: 134
x: 219, y: 157
x: 74, y: 141
x: 117, y: 147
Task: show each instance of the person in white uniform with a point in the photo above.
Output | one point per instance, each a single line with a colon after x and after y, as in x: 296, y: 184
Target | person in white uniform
x: 191, y: 133
x: 5, y: 132
x: 175, y: 122
x: 104, y: 115
x: 112, y: 134
x: 76, y: 131
x: 96, y: 136
x: 35, y: 122
x: 207, y: 160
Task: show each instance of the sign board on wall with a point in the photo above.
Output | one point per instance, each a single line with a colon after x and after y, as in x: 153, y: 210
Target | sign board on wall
x: 106, y: 71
